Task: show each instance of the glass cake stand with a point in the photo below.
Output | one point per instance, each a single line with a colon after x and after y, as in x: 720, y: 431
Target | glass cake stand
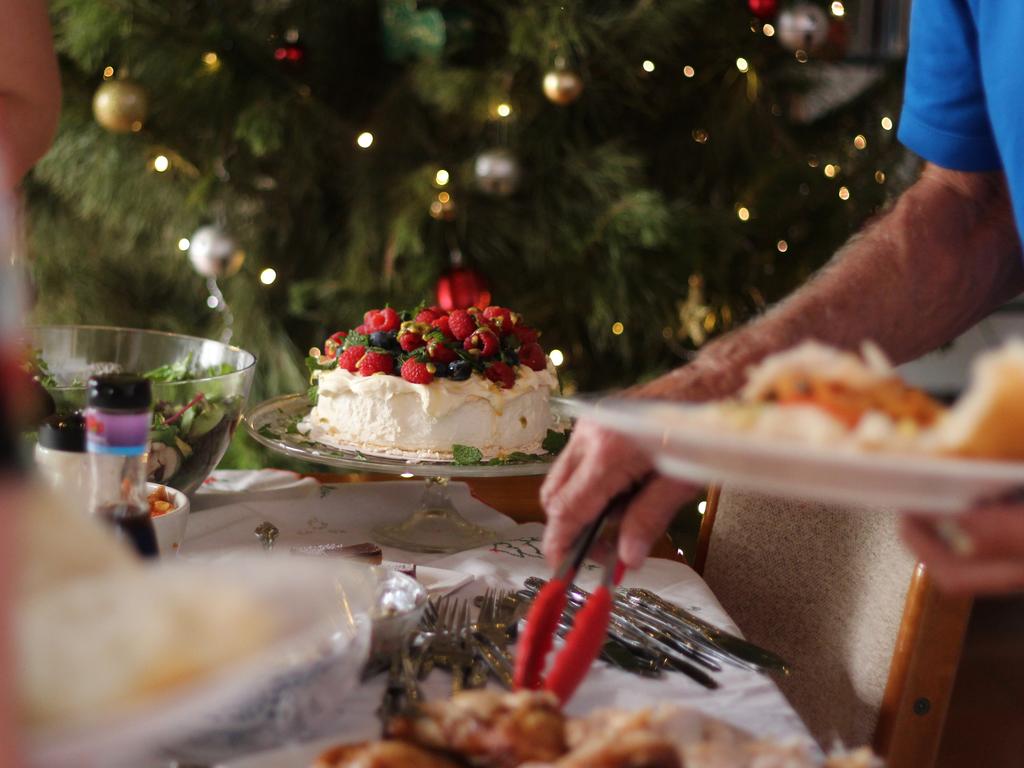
x: 435, y: 525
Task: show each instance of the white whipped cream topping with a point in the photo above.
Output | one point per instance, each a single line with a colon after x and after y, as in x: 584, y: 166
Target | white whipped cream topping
x: 387, y: 414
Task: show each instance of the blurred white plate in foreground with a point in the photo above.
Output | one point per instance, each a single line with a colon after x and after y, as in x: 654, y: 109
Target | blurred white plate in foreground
x: 318, y: 615
x: 827, y: 473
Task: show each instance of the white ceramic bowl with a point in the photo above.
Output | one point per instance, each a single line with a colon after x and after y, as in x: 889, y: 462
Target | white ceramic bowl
x: 170, y: 526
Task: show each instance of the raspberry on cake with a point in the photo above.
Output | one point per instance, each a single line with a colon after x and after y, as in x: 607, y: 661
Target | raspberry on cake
x: 416, y: 383
x: 375, y: 362
x: 483, y: 343
x: 350, y: 357
x: 462, y: 324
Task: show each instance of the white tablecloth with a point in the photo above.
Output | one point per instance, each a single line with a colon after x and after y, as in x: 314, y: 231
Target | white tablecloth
x: 306, y: 513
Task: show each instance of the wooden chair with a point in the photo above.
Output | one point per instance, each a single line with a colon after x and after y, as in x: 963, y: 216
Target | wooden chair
x: 875, y: 647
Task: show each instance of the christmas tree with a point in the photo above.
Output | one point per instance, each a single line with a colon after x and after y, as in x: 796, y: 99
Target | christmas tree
x: 633, y: 177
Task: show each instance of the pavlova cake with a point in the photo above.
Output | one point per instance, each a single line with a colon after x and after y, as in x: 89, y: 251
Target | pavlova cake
x: 431, y: 384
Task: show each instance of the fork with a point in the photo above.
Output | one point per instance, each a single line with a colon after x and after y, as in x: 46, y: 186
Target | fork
x: 476, y: 675
x: 492, y: 637
x: 447, y: 646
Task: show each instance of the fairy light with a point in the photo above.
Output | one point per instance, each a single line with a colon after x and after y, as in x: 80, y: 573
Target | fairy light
x: 689, y: 71
x: 743, y: 213
x: 860, y: 141
x: 364, y: 139
x: 844, y: 193
x: 108, y: 72
x: 830, y: 170
x: 503, y: 109
x: 407, y: 475
x: 618, y: 328
x: 838, y: 9
x: 648, y: 65
x: 211, y: 61
x: 212, y: 302
x: 557, y: 358
x: 886, y: 123
x: 184, y: 243
x: 268, y: 276
x: 880, y: 176
x: 699, y: 135
x: 769, y: 30
x: 443, y: 198
x: 161, y: 163
x: 441, y: 177
x: 800, y: 55
x: 702, y: 507
x: 742, y: 64
x: 782, y: 246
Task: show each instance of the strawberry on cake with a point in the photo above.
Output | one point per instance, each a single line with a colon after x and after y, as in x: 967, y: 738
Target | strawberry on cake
x: 416, y: 384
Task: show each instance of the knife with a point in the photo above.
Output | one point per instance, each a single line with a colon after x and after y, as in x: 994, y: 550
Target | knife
x: 659, y: 633
x: 737, y: 647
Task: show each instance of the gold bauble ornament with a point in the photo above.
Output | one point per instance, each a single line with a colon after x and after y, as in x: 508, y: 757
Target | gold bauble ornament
x: 120, y: 105
x: 562, y: 86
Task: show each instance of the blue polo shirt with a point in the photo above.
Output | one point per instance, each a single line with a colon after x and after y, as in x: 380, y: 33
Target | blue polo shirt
x: 963, y: 105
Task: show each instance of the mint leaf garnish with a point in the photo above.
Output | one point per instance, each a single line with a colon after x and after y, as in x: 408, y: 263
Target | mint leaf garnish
x: 518, y: 457
x: 555, y: 441
x: 466, y: 454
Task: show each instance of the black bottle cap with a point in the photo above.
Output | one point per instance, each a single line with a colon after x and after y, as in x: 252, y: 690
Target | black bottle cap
x: 63, y: 433
x: 119, y: 392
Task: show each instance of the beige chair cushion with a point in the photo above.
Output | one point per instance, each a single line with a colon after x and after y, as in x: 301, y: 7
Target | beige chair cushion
x: 824, y: 587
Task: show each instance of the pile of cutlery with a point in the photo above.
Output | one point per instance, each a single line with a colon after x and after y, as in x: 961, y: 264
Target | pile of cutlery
x: 647, y: 635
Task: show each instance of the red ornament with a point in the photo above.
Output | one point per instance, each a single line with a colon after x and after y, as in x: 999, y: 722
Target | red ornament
x: 763, y: 9
x: 462, y: 287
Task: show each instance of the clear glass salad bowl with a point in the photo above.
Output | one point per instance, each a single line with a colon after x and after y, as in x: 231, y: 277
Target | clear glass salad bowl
x: 199, y: 388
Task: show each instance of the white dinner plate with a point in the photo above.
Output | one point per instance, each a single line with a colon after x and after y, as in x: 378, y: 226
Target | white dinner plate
x: 321, y: 625
x: 689, y: 450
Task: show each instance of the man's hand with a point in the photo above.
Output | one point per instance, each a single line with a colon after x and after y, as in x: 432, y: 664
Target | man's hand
x: 599, y: 463
x: 978, y: 552
x: 596, y: 465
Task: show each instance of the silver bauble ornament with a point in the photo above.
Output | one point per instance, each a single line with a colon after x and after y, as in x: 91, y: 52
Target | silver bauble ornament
x: 214, y: 253
x: 497, y: 172
x: 802, y: 27
x: 562, y: 86
x: 120, y: 105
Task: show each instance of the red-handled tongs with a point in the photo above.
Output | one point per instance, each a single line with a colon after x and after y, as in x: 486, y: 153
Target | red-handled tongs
x: 588, y: 634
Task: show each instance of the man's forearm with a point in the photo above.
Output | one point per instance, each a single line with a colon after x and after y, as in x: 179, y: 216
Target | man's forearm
x: 941, y: 259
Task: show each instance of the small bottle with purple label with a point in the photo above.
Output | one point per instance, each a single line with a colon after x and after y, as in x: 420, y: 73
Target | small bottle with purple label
x: 117, y: 439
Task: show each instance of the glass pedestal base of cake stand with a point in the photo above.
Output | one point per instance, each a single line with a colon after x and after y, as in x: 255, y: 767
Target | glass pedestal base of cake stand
x: 435, y: 525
